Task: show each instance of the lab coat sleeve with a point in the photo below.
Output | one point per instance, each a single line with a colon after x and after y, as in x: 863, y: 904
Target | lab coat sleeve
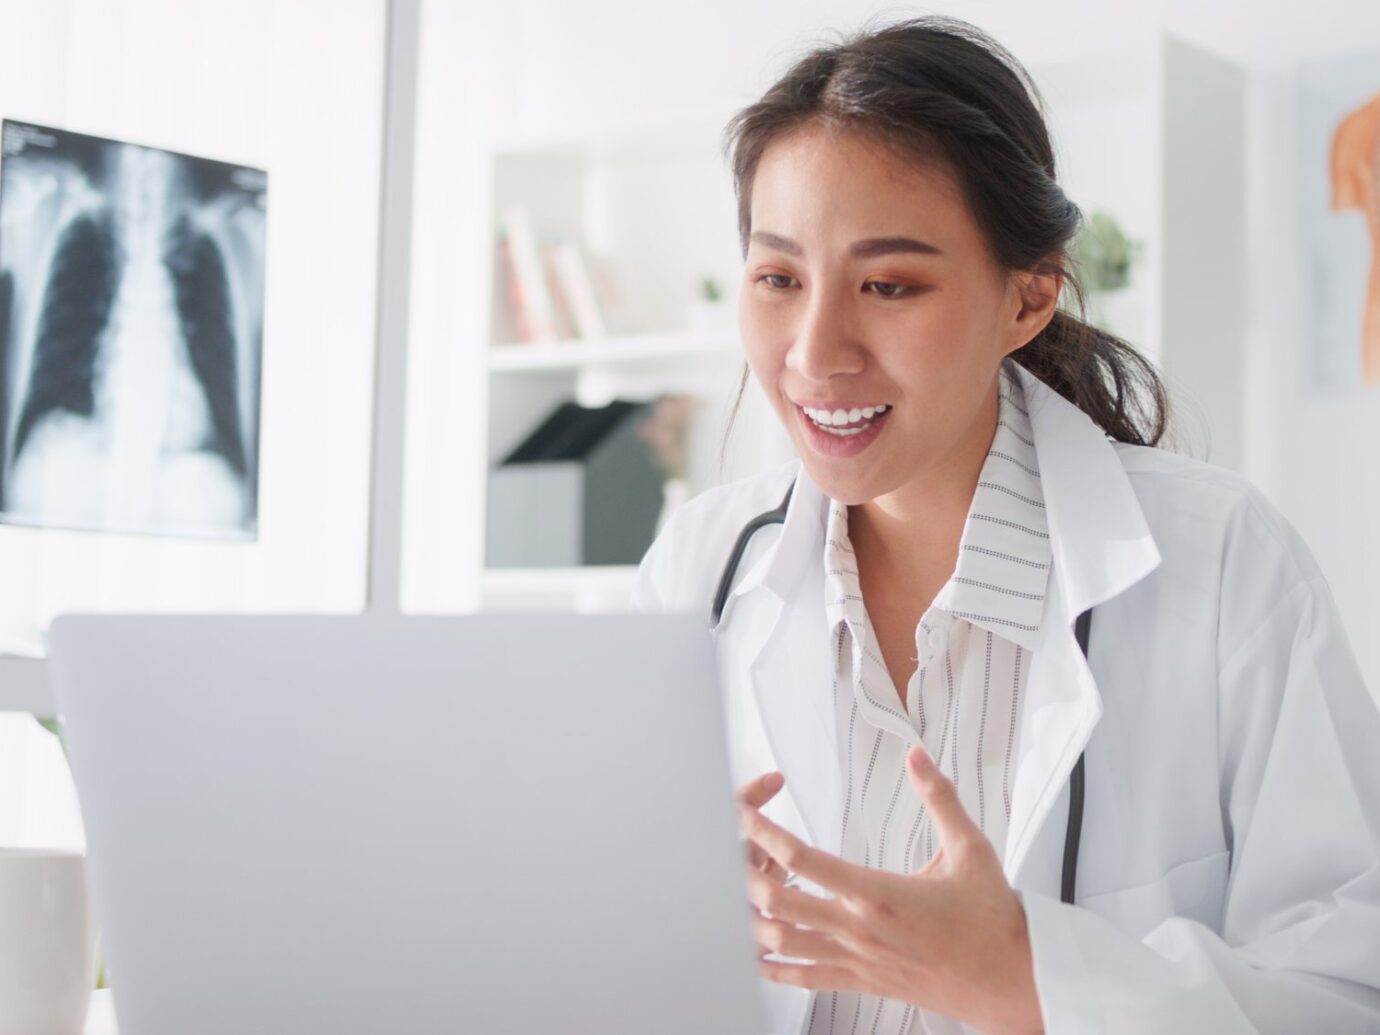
x: 1299, y: 942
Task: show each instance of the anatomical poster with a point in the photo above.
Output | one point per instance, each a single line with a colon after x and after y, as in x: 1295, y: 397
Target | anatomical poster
x: 1339, y: 210
x: 131, y: 330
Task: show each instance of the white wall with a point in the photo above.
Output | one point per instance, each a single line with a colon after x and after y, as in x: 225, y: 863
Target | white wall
x: 547, y: 66
x: 1314, y: 455
x: 294, y: 88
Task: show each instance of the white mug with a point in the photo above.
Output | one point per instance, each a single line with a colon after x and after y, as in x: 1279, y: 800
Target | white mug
x: 47, y: 947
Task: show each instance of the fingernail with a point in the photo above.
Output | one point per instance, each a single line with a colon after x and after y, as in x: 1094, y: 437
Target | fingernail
x: 773, y: 781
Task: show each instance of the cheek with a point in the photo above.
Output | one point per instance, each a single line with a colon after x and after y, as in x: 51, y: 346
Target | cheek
x: 938, y: 338
x: 764, y: 338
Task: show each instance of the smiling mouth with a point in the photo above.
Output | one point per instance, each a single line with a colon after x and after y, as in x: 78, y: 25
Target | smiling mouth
x: 845, y: 423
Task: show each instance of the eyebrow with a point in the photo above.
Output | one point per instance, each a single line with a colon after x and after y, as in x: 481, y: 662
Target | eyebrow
x: 869, y: 248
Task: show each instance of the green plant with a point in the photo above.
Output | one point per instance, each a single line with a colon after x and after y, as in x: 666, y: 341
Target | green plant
x: 1103, y: 253
x: 710, y: 290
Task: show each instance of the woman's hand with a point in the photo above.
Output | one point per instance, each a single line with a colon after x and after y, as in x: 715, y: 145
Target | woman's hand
x: 754, y: 794
x: 950, y: 938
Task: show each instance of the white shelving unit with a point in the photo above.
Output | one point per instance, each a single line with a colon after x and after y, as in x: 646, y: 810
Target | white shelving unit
x: 655, y: 205
x: 592, y: 588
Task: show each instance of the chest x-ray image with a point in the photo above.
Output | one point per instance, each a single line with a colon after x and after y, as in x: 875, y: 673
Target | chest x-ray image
x: 131, y: 329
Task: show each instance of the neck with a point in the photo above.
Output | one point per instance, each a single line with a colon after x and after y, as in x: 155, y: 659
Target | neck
x: 918, y: 525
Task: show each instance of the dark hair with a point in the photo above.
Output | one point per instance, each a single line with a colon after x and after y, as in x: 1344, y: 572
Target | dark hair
x: 938, y: 89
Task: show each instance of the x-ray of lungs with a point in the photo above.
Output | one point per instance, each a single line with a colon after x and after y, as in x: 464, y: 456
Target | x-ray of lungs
x: 131, y: 329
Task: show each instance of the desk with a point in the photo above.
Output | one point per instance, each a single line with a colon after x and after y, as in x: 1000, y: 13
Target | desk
x: 100, y: 1016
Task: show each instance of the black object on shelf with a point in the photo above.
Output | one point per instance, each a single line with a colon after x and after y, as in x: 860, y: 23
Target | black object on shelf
x: 582, y: 488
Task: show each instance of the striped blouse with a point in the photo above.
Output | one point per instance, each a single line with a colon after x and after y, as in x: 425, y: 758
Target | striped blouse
x: 962, y: 702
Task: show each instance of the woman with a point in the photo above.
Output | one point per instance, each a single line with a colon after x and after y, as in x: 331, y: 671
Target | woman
x: 907, y: 698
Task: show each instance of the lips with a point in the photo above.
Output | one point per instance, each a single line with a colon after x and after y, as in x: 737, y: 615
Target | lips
x: 846, y: 439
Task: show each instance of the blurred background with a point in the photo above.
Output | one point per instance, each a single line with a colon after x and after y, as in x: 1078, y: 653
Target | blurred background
x: 550, y: 269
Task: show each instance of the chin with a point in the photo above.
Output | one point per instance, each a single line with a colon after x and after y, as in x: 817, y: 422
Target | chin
x: 849, y: 488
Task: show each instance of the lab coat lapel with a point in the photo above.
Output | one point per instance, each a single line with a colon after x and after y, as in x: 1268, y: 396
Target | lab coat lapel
x: 1101, y: 546
x: 781, y: 648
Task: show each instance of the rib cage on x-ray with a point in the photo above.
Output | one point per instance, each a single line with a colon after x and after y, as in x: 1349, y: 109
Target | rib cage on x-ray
x: 80, y: 291
x: 153, y: 264
x: 76, y: 305
x: 203, y: 303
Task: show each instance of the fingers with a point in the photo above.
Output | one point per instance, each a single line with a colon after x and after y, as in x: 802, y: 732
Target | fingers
x: 822, y: 976
x: 956, y: 829
x: 759, y: 791
x: 762, y: 862
x: 783, y: 902
x: 828, y: 871
x: 755, y: 793
x: 783, y: 939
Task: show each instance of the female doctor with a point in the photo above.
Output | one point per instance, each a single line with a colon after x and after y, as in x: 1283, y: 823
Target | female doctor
x: 954, y: 821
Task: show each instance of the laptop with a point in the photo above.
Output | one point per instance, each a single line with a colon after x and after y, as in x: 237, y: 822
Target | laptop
x: 488, y: 823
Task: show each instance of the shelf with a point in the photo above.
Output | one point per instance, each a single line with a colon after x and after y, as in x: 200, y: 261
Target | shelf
x: 630, y: 349
x: 591, y: 588
x: 559, y: 580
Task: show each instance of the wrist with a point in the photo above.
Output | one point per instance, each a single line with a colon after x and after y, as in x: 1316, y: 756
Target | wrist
x: 1020, y: 1009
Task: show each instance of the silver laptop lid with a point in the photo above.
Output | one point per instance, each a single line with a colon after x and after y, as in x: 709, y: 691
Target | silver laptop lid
x: 489, y: 823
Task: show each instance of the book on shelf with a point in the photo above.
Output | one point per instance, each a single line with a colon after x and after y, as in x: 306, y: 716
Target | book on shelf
x: 549, y: 285
x: 576, y: 289
x: 561, y: 313
x: 527, y: 287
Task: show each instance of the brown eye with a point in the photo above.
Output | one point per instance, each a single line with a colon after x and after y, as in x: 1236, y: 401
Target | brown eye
x: 773, y: 280
x: 886, y: 289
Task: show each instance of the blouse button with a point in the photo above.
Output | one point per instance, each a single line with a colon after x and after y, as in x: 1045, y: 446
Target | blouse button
x: 935, y: 639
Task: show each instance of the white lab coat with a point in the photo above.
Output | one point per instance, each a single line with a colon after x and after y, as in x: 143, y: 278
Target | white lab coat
x: 1229, y: 874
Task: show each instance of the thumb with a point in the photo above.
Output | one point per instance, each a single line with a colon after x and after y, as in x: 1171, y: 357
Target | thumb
x: 937, y: 793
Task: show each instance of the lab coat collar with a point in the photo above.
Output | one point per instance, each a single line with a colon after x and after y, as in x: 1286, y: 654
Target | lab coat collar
x: 1099, y: 538
x: 1100, y: 542
x: 780, y: 568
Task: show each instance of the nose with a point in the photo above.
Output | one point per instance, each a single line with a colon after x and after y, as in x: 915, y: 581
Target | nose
x: 826, y: 342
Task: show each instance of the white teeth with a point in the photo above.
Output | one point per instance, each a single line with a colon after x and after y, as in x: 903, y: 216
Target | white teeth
x: 826, y: 418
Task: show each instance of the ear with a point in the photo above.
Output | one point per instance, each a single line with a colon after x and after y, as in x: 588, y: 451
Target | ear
x: 1035, y: 299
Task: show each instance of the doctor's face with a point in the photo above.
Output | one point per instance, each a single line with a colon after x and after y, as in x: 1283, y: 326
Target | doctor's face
x: 873, y: 316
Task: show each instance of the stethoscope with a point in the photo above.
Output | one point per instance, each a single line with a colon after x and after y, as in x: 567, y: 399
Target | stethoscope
x: 1081, y: 630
